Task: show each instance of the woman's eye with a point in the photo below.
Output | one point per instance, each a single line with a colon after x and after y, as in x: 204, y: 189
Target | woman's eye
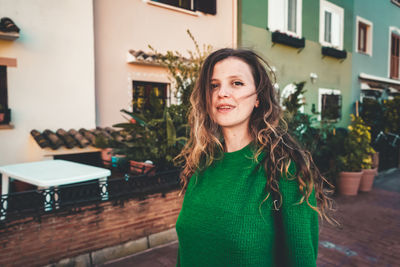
x: 237, y: 83
x: 213, y: 85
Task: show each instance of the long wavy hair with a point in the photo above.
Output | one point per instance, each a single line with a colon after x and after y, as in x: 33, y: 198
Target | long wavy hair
x: 266, y: 127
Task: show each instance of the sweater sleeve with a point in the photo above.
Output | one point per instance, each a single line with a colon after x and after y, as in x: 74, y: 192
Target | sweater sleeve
x: 299, y: 221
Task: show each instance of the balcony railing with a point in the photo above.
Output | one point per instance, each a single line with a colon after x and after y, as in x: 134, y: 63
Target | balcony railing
x: 36, y: 203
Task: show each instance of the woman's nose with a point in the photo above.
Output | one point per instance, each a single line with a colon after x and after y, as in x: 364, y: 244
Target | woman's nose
x: 224, y: 91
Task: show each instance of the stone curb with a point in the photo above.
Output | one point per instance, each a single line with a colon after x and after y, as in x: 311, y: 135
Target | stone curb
x: 384, y: 173
x: 98, y: 257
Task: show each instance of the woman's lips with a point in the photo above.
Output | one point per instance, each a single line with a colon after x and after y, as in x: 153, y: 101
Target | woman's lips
x: 225, y: 108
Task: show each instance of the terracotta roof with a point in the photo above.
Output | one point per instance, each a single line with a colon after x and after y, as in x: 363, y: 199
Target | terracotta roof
x: 138, y: 56
x: 7, y: 25
x: 72, y: 138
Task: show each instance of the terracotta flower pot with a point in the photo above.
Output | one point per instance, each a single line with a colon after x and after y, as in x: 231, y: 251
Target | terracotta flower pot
x: 142, y: 168
x: 349, y: 183
x: 367, y: 179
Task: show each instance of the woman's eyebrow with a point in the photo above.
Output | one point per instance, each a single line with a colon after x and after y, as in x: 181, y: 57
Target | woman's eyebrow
x: 236, y: 76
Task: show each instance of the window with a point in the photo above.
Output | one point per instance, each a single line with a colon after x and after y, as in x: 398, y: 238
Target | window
x: 206, y: 6
x: 331, y: 24
x: 364, y: 36
x: 186, y: 4
x: 148, y: 95
x: 3, y: 87
x: 4, y: 111
x: 394, y: 56
x: 285, y: 16
x: 330, y: 104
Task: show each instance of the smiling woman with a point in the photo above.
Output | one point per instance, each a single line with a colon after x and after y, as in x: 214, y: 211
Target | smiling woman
x: 253, y: 196
x: 233, y: 100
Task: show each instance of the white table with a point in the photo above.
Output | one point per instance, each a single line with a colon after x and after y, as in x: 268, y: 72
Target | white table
x: 52, y: 173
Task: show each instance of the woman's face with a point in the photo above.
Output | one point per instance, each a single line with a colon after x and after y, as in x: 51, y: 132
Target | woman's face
x: 233, y: 93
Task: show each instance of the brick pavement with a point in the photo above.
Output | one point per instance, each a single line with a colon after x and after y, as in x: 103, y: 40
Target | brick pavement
x: 369, y: 234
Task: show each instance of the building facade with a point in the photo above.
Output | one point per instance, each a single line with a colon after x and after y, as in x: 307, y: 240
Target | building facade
x: 305, y: 40
x: 47, y: 72
x: 125, y: 29
x: 375, y: 68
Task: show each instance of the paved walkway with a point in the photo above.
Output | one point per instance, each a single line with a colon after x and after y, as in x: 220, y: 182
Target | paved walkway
x: 369, y: 234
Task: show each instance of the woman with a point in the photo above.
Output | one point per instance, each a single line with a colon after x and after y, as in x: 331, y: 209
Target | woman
x: 251, y: 191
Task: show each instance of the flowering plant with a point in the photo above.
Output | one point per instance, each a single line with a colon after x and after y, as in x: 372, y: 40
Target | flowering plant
x: 358, y: 150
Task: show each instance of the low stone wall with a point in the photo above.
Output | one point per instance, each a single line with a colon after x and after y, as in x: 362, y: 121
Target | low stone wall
x: 107, y: 228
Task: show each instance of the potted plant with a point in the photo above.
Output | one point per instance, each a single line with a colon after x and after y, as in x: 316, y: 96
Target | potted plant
x: 154, y: 142
x: 369, y: 171
x: 103, y: 143
x: 351, y: 162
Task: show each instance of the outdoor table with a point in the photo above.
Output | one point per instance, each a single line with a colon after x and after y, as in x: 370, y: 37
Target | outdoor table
x: 49, y: 174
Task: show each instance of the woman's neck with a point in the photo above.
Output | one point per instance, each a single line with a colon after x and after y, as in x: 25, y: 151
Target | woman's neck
x: 235, y: 140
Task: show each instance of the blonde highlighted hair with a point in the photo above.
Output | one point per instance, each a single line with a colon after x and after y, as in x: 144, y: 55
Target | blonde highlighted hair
x: 267, y: 128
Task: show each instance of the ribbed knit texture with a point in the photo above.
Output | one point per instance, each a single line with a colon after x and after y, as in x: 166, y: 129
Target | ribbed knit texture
x: 220, y: 223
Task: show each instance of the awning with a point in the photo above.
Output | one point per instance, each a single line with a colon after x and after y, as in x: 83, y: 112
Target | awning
x: 377, y: 82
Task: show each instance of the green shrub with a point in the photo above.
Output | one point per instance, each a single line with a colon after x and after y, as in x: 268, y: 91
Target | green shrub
x: 357, y: 148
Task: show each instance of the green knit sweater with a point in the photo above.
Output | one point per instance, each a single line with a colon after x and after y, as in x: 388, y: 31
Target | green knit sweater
x: 221, y: 222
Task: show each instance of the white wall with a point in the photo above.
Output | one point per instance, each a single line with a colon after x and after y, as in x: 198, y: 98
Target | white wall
x: 121, y: 25
x: 53, y: 84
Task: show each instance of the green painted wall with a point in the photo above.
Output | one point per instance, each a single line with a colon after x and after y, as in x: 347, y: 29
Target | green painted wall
x: 310, y: 16
x: 255, y: 12
x: 294, y: 65
x: 348, y: 6
x: 378, y: 63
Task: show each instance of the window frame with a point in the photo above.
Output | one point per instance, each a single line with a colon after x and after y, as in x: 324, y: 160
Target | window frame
x: 369, y: 36
x: 393, y: 31
x: 326, y: 91
x: 332, y: 8
x: 283, y: 27
x: 196, y: 6
x: 166, y: 87
x: 192, y: 5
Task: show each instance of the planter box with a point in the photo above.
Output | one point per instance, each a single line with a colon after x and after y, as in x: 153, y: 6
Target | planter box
x: 5, y: 116
x: 282, y: 38
x: 332, y: 52
x: 142, y: 168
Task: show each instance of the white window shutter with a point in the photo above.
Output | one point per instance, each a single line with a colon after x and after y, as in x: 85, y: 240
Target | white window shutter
x: 336, y: 29
x: 276, y: 15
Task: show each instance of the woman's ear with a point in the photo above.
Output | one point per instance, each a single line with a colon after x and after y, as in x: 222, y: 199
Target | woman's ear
x: 257, y: 103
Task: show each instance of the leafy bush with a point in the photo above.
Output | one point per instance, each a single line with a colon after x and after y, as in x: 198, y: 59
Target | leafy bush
x: 357, y: 148
x: 391, y: 115
x: 183, y: 71
x: 154, y: 139
x: 372, y: 114
x: 159, y: 133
